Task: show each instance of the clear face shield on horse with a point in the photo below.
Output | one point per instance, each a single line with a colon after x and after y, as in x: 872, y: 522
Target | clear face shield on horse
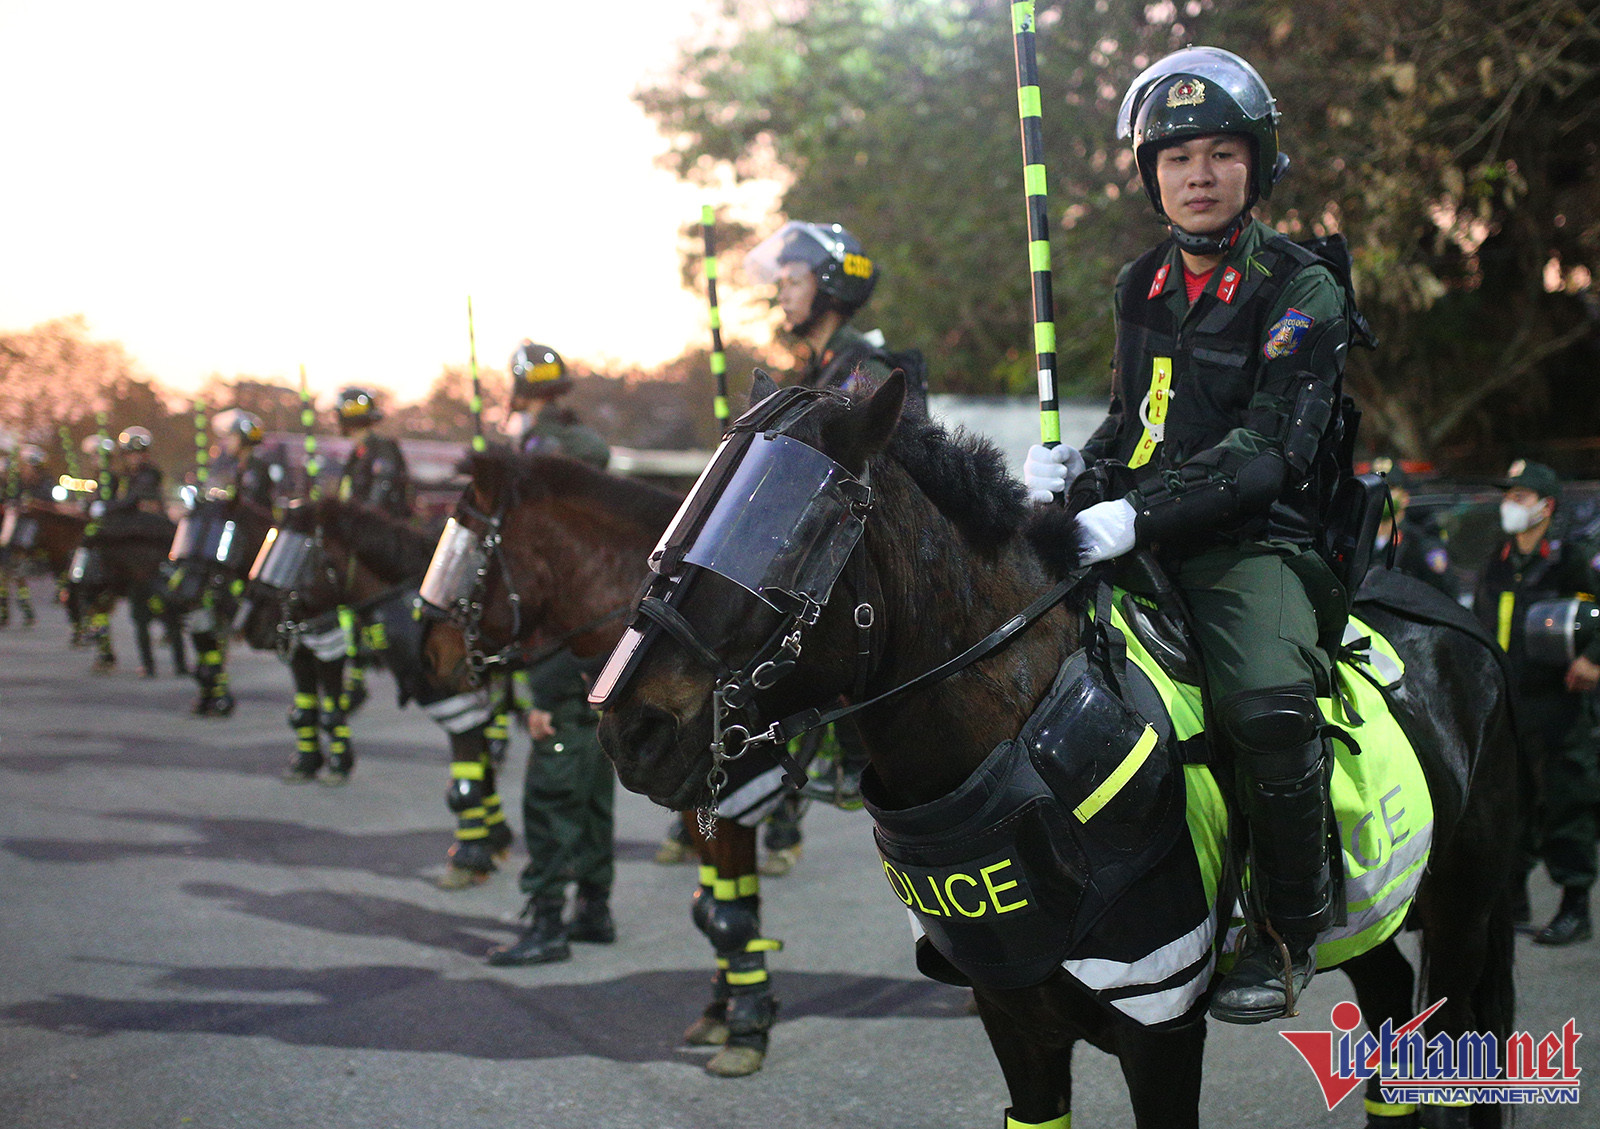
x: 455, y: 587
x: 772, y: 515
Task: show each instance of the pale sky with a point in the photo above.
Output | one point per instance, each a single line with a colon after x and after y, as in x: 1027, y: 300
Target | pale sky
x: 243, y: 189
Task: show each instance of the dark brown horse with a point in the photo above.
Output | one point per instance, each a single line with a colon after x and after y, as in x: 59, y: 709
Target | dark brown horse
x: 945, y: 555
x: 39, y: 531
x: 124, y: 556
x: 571, y: 544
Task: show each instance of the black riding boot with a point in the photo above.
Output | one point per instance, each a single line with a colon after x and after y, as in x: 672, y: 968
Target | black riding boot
x: 591, y: 916
x: 1286, y: 802
x: 1571, y: 922
x: 544, y: 941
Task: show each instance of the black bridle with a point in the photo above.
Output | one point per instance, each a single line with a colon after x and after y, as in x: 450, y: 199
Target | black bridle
x: 736, y: 722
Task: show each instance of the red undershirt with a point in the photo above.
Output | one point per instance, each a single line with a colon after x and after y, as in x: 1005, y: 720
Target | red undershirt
x: 1196, y: 283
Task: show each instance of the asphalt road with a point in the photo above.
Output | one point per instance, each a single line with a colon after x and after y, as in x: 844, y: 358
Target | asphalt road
x: 187, y: 941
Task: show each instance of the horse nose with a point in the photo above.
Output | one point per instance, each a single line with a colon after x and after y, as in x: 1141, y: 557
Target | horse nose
x: 640, y: 740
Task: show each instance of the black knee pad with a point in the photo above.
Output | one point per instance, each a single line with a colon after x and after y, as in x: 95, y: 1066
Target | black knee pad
x: 731, y: 925
x: 464, y: 795
x: 1275, y: 731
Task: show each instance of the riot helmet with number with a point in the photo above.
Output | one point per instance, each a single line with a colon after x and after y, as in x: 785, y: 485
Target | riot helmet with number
x: 357, y: 407
x: 134, y: 439
x: 537, y: 370
x: 1202, y: 92
x: 845, y: 275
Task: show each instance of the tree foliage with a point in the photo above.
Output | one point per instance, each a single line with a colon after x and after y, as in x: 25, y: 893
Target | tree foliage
x: 1454, y: 142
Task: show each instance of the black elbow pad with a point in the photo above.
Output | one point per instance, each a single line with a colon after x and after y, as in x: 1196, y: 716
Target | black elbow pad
x: 1313, y: 411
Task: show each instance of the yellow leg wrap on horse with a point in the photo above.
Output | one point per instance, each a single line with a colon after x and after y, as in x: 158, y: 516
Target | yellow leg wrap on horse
x: 1385, y: 1109
x: 1062, y: 1122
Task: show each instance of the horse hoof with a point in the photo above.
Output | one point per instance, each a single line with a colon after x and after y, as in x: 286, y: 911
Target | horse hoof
x: 780, y: 862
x: 735, y: 1062
x: 460, y: 878
x: 706, y: 1032
x: 671, y: 852
x: 294, y: 776
x: 334, y: 779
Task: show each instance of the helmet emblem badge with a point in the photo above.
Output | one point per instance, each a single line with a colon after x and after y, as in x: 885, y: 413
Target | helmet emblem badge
x: 1186, y: 92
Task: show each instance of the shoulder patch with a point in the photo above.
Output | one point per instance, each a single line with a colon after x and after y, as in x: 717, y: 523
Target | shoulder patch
x: 1286, y: 334
x: 1438, y: 560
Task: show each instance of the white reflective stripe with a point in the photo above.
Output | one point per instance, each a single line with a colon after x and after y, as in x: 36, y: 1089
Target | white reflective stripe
x: 460, y: 713
x: 1403, y: 870
x: 1385, y: 667
x: 754, y: 800
x: 326, y: 645
x: 917, y: 931
x: 1099, y: 974
x: 1158, y: 1007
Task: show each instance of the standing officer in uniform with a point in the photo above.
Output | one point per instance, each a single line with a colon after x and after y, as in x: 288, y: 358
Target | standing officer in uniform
x: 26, y: 482
x: 569, y: 791
x: 139, y: 480
x: 375, y: 473
x: 1226, y: 380
x: 1417, y: 552
x: 1555, y: 700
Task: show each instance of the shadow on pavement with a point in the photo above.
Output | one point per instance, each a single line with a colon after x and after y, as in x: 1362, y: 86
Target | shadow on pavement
x: 634, y: 1018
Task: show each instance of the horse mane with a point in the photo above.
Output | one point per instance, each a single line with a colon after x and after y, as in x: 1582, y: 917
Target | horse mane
x: 964, y: 475
x: 537, y: 476
x: 392, y: 549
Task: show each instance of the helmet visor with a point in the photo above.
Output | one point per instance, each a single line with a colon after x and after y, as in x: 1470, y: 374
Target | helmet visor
x: 452, y: 574
x: 784, y: 523
x: 794, y: 242
x: 284, y: 560
x: 1209, y: 64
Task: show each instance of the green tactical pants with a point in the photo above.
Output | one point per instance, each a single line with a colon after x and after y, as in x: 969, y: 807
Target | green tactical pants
x: 568, y: 797
x: 1253, y: 620
x: 1561, y: 738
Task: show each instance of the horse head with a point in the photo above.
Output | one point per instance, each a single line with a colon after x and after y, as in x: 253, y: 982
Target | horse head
x: 542, y: 552
x: 776, y: 593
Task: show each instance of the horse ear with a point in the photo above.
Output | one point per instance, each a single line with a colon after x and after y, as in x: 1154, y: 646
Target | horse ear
x: 881, y: 413
x: 761, y: 386
x: 488, y: 479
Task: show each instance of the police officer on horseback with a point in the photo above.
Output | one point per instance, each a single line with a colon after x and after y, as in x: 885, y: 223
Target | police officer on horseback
x: 1555, y: 690
x: 239, y: 470
x: 139, y: 478
x: 375, y: 474
x: 569, y: 792
x: 26, y: 481
x: 1226, y: 384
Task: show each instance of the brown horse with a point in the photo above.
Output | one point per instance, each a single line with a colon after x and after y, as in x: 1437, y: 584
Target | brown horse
x: 39, y: 531
x: 828, y: 505
x: 570, y: 546
x: 124, y: 556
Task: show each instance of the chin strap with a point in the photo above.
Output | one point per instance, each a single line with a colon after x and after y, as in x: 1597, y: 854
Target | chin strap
x: 1216, y: 244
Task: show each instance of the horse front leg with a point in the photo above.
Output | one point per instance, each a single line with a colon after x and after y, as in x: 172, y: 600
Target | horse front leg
x: 335, y: 721
x: 1035, y: 1056
x: 727, y: 909
x: 1385, y: 985
x: 483, y: 838
x: 1162, y: 1069
x: 307, y: 759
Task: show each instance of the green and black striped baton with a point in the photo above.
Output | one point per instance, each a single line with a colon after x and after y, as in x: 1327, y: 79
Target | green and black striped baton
x: 477, y: 389
x: 202, y: 447
x: 719, y: 361
x: 308, y: 422
x: 103, y: 449
x: 1033, y: 182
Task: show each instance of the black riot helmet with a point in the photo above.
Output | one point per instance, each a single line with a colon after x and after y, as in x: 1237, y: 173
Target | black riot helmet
x: 538, y: 370
x: 237, y: 421
x: 1201, y: 92
x: 845, y: 275
x: 134, y: 439
x: 357, y: 407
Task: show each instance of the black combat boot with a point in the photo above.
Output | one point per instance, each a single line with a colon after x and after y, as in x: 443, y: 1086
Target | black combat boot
x: 591, y: 916
x: 1571, y: 922
x: 1285, y: 797
x: 544, y: 941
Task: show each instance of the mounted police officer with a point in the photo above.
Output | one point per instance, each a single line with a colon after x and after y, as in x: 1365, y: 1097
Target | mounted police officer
x: 26, y: 481
x: 1555, y: 692
x: 1225, y: 383
x: 375, y: 473
x: 1417, y: 552
x: 138, y: 477
x: 569, y: 791
x: 238, y: 473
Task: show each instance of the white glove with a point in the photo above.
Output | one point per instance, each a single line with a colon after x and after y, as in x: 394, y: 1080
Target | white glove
x: 1048, y: 470
x: 1105, y: 531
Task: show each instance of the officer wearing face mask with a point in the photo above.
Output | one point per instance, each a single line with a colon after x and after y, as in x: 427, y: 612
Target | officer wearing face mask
x: 1555, y: 701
